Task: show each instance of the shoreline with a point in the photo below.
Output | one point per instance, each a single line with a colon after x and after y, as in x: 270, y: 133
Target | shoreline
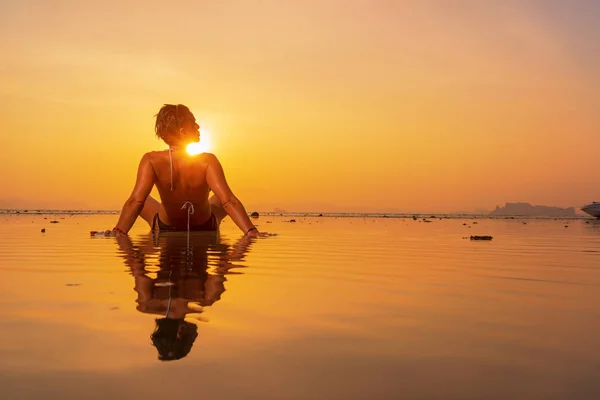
x: 414, y: 216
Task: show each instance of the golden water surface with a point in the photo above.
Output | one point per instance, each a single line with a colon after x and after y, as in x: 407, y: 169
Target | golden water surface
x: 331, y: 308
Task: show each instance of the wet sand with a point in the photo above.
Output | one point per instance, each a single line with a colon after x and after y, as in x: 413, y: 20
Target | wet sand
x: 331, y: 308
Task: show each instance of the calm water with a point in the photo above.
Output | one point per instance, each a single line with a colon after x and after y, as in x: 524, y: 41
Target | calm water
x: 332, y: 308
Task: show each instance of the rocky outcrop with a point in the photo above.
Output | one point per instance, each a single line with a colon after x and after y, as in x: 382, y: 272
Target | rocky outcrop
x: 527, y: 210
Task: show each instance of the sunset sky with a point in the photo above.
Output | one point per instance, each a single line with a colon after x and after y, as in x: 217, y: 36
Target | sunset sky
x: 358, y: 105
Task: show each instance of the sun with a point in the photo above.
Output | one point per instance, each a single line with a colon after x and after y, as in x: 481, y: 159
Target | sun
x: 202, y: 146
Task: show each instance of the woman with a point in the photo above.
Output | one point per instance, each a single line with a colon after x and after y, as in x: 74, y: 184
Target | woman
x: 183, y: 182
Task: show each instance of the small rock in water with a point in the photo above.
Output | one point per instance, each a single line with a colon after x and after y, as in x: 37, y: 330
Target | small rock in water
x: 292, y: 220
x: 54, y: 221
x: 43, y: 230
x: 100, y: 233
x: 254, y: 214
x: 483, y: 237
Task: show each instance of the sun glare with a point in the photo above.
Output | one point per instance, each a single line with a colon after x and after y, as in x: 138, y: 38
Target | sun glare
x: 202, y: 146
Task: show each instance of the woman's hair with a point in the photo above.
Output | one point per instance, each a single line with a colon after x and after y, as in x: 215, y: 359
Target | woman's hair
x: 173, y: 338
x: 168, y: 121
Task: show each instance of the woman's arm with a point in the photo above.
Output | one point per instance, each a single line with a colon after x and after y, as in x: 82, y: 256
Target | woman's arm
x: 135, y: 203
x: 215, y: 177
x: 134, y: 259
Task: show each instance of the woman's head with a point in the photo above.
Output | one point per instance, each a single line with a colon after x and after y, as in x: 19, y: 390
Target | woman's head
x: 173, y: 338
x: 176, y: 125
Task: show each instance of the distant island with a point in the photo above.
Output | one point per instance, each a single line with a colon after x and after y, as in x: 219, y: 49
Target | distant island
x: 526, y: 209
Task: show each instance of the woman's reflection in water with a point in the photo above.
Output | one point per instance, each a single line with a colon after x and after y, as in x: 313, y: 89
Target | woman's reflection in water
x: 176, y: 276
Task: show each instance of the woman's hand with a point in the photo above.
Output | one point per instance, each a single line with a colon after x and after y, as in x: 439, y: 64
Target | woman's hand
x: 108, y: 232
x: 257, y: 233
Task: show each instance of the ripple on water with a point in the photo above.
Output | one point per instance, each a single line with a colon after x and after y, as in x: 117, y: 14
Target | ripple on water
x: 359, y: 307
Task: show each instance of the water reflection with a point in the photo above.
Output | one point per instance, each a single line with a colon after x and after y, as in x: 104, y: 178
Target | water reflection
x: 593, y: 224
x: 176, y: 276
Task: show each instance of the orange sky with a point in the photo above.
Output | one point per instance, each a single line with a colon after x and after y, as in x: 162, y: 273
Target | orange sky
x: 407, y: 106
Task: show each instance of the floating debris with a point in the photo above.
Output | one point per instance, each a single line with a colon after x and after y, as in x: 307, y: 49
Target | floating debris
x: 292, y: 220
x: 43, y: 230
x: 483, y: 237
x: 73, y: 284
x: 54, y: 221
x: 254, y: 214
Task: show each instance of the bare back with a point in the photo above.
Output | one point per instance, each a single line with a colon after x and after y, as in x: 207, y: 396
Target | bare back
x: 190, y: 179
x: 189, y: 184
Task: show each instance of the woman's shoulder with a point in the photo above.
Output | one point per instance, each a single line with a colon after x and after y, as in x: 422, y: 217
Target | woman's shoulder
x: 207, y: 158
x: 155, y: 155
x: 163, y: 156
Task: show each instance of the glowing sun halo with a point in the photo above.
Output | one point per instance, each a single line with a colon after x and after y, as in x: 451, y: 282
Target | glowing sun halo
x: 202, y: 146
